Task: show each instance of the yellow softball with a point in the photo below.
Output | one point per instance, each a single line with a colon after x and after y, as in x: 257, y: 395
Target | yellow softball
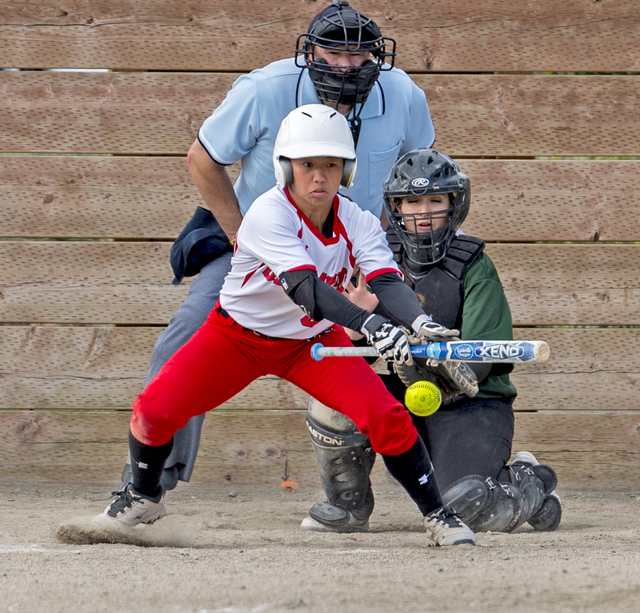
x: 423, y: 398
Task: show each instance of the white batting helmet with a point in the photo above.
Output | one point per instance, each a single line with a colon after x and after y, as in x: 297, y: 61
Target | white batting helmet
x: 313, y: 130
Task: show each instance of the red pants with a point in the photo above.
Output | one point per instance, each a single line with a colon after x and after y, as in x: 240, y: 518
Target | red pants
x: 222, y: 358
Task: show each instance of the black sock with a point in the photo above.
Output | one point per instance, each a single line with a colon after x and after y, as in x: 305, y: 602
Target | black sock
x: 414, y: 471
x: 147, y: 464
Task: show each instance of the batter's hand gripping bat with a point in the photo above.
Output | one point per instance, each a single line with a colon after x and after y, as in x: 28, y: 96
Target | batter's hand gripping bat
x: 511, y: 352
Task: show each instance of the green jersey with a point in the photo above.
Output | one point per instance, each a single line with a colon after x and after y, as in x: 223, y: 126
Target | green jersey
x: 486, y: 316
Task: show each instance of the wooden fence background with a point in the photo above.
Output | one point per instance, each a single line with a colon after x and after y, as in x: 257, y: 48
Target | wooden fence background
x: 538, y: 101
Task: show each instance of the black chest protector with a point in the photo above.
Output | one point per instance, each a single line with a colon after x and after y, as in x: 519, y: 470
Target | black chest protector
x: 441, y: 290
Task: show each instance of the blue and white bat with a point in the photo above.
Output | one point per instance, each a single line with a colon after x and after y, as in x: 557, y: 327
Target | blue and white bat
x: 511, y: 352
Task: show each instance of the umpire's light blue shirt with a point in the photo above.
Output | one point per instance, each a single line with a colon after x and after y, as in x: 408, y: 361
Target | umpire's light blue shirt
x: 395, y: 120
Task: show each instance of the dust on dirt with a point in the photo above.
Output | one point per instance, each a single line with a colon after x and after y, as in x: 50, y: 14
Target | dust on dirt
x: 241, y: 551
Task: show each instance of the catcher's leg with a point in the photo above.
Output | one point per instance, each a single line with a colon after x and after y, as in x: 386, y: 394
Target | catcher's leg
x: 484, y: 505
x: 535, y: 483
x: 547, y: 518
x: 549, y: 515
x: 344, y: 459
x: 487, y: 505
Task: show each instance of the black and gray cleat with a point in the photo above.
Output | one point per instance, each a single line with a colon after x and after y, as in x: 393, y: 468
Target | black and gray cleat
x: 325, y: 517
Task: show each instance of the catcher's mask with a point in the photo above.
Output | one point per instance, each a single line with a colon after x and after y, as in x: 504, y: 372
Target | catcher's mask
x: 422, y: 172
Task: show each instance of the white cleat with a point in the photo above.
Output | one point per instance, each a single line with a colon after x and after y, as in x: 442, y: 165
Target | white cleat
x: 525, y: 457
x: 445, y: 528
x: 129, y: 509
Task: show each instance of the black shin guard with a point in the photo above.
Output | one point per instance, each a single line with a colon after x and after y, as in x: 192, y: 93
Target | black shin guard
x: 414, y: 471
x: 147, y: 464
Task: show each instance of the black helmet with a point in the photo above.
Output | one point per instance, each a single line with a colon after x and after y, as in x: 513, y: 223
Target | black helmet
x: 339, y: 25
x: 421, y: 172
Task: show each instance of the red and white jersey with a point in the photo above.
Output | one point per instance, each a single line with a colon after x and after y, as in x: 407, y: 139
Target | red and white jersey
x: 275, y: 237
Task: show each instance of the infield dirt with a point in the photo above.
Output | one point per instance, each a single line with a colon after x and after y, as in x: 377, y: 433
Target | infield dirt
x: 241, y: 551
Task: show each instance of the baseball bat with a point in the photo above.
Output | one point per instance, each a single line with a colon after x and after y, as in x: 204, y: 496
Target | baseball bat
x: 511, y: 352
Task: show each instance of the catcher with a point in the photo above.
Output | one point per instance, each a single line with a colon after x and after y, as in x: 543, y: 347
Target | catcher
x: 469, y: 438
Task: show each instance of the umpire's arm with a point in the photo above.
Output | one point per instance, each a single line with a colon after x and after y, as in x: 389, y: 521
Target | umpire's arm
x: 214, y: 184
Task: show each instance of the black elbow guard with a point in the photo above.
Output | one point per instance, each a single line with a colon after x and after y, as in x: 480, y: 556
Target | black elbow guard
x: 300, y: 286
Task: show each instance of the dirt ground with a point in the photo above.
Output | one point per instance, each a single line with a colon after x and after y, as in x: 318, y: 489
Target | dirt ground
x: 241, y: 551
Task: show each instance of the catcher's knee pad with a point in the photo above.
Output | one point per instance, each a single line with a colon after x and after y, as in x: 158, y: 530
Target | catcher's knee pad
x: 330, y: 419
x: 549, y: 516
x: 483, y: 504
x: 344, y: 458
x: 544, y: 472
x: 533, y: 490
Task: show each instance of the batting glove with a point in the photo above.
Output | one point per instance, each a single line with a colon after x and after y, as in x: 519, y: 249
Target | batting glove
x: 390, y: 342
x: 428, y: 331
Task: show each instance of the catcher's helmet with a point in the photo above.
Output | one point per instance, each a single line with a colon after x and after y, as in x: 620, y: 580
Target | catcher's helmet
x: 313, y: 130
x: 421, y: 172
x: 340, y: 26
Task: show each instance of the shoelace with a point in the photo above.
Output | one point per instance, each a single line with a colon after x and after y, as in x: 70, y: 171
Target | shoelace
x: 123, y: 500
x: 453, y: 521
x: 449, y: 519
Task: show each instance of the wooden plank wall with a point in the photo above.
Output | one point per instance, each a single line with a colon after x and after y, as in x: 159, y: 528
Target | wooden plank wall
x: 537, y: 101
